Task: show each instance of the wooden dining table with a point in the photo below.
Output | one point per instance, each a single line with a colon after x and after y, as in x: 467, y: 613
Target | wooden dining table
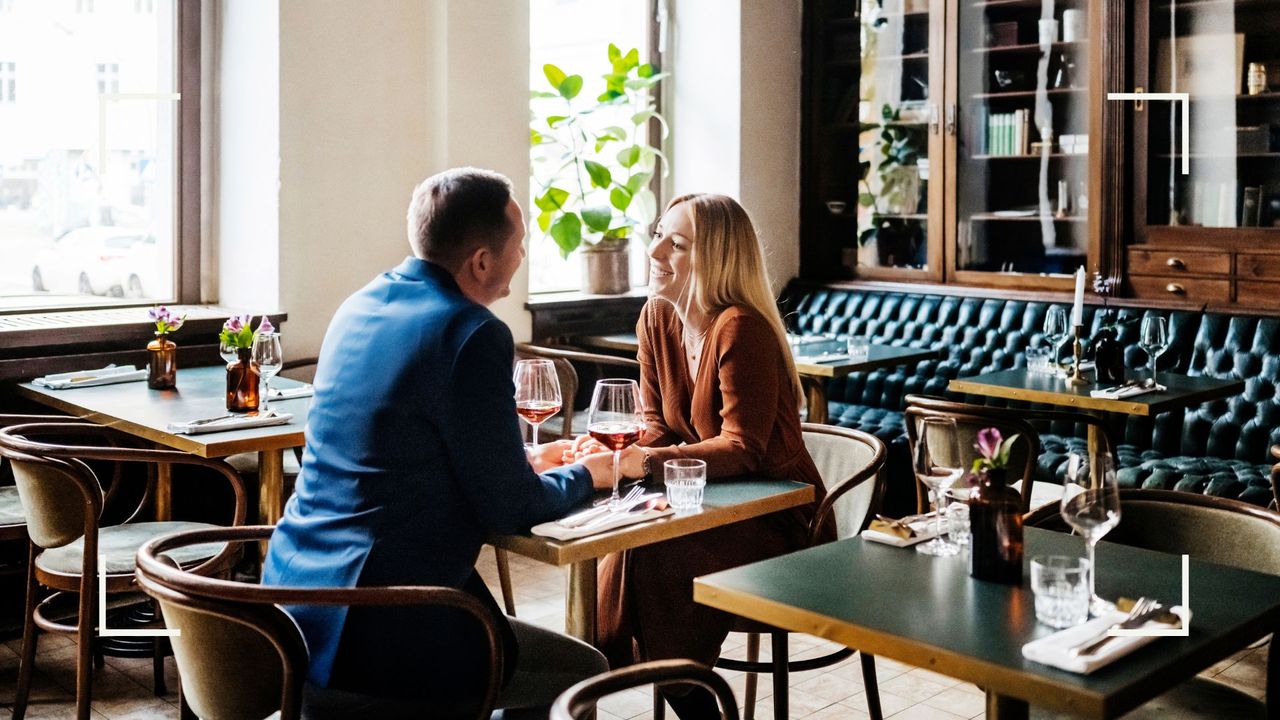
x: 724, y: 502
x: 137, y: 410
x: 926, y: 611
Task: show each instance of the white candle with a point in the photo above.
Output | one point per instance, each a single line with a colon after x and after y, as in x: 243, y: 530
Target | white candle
x: 1077, y: 309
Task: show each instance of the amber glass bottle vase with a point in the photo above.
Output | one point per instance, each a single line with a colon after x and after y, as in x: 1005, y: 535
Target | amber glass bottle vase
x: 242, y: 383
x: 995, y: 521
x: 1108, y: 353
x: 162, y: 363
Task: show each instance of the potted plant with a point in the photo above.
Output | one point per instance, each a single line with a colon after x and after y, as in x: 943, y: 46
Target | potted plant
x: 892, y: 191
x: 592, y: 165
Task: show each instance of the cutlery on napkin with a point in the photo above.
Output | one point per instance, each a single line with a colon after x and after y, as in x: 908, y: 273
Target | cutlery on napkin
x: 290, y: 393
x: 901, y: 533
x: 88, y: 378
x: 1056, y: 649
x: 653, y: 507
x: 1125, y: 390
x: 230, y: 421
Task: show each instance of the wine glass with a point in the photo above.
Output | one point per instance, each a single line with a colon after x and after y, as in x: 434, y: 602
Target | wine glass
x: 1154, y: 338
x: 537, y: 392
x: 269, y: 357
x: 937, y: 464
x: 227, y: 351
x: 1091, y: 505
x: 1056, y: 330
x: 615, y: 420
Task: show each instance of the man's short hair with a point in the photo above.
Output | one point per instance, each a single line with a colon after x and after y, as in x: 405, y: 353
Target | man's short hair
x: 454, y: 212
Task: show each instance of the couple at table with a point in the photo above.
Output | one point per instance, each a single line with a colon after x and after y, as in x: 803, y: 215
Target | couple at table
x: 414, y: 456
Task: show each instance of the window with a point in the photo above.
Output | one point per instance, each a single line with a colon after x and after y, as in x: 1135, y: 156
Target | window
x: 575, y: 35
x: 97, y: 201
x: 144, y: 6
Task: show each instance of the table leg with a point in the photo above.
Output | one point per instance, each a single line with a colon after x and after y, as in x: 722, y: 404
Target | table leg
x: 1003, y: 707
x: 270, y: 486
x: 164, y: 492
x: 580, y: 610
x: 815, y: 399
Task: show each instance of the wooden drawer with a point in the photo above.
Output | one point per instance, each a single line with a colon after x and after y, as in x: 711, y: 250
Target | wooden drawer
x: 1145, y: 261
x: 1260, y: 267
x: 1176, y: 287
x: 1258, y: 294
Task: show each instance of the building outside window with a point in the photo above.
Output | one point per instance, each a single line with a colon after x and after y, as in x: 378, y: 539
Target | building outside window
x: 8, y: 82
x: 84, y: 6
x: 108, y: 78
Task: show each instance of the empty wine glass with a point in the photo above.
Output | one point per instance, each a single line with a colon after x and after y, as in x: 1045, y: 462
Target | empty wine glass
x: 1154, y: 338
x: 1091, y: 505
x: 269, y: 357
x: 615, y: 420
x: 537, y: 392
x: 937, y: 464
x: 1056, y: 331
x: 227, y: 351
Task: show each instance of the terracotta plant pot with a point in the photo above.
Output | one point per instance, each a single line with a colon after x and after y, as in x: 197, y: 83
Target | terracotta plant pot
x: 606, y: 272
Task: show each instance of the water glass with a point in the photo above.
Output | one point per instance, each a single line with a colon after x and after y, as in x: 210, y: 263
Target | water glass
x: 958, y: 523
x: 1061, y: 587
x: 858, y: 346
x: 1038, y: 361
x: 685, y: 479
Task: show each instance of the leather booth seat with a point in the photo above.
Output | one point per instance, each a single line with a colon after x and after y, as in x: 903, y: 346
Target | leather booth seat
x: 1217, y: 448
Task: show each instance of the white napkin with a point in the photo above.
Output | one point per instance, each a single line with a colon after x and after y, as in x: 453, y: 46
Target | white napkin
x: 233, y: 422
x: 923, y: 529
x: 293, y: 392
x: 822, y: 358
x: 1052, y: 650
x: 557, y: 531
x: 88, y: 378
x: 1124, y: 392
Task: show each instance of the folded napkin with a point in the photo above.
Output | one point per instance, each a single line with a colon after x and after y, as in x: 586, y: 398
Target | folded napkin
x: 898, y: 536
x: 230, y: 422
x: 88, y: 378
x: 1120, y: 393
x: 1052, y: 649
x: 290, y: 393
x: 823, y: 358
x: 557, y: 531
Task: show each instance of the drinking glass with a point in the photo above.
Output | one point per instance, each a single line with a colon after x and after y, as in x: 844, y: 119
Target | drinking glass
x: 1056, y: 331
x: 537, y: 392
x: 615, y: 420
x: 937, y: 464
x: 858, y: 346
x: 269, y: 357
x: 227, y: 351
x: 685, y: 479
x: 1061, y: 587
x: 1154, y: 339
x: 1091, y: 505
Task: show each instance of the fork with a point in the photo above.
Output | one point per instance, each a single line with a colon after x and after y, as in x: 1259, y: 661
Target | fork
x: 581, y: 518
x: 1138, y: 614
x: 637, y: 506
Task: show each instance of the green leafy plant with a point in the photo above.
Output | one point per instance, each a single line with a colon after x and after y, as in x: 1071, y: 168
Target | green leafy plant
x: 899, y: 148
x: 591, y: 163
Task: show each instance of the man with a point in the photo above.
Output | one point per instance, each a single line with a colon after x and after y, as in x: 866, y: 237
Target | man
x: 414, y: 455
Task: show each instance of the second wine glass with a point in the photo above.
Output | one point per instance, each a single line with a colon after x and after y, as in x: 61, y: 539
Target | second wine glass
x: 1056, y: 331
x: 937, y: 465
x: 615, y: 420
x: 537, y: 392
x: 269, y: 356
x: 1154, y: 339
x: 1091, y: 505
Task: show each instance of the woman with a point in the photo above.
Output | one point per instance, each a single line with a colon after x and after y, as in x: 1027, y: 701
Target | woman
x: 719, y: 385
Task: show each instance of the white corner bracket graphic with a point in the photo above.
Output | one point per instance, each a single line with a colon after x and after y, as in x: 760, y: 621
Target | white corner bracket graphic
x: 1185, y: 99
x: 103, y: 630
x: 103, y: 99
x: 1183, y: 631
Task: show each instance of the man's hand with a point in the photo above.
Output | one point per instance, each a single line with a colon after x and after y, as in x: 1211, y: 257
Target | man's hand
x: 585, y: 445
x: 549, y: 455
x: 601, y: 466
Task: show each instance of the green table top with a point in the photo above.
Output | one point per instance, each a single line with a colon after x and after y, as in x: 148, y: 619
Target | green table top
x: 1018, y: 384
x: 928, y: 612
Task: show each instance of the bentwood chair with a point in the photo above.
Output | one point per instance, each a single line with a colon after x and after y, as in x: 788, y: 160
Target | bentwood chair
x: 63, y: 501
x: 851, y: 463
x: 1275, y: 478
x: 13, y: 522
x: 1212, y: 529
x: 240, y: 656
x: 579, y: 701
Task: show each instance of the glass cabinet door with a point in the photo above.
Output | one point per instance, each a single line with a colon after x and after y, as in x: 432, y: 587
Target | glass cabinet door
x: 898, y: 167
x: 1021, y: 140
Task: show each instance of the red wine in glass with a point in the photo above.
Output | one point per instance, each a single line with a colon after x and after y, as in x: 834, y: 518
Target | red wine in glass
x: 537, y: 392
x: 616, y: 419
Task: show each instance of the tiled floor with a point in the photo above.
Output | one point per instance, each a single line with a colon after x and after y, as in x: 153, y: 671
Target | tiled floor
x: 122, y: 690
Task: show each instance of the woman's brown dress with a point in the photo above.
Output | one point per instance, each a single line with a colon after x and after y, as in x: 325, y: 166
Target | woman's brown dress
x: 740, y: 415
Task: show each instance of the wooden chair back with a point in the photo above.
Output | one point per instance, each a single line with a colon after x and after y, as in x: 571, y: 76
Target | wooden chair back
x: 579, y: 701
x: 564, y: 358
x: 851, y: 463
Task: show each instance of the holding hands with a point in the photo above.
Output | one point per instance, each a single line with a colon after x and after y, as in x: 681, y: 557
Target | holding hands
x: 591, y: 454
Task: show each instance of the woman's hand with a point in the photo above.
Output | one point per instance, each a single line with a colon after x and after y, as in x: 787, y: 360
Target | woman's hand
x: 549, y: 455
x: 630, y: 465
x: 585, y: 445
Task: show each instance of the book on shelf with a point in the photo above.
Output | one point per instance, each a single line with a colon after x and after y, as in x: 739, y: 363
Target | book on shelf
x: 1008, y: 134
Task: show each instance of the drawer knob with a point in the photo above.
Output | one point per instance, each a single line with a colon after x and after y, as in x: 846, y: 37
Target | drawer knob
x: 1175, y: 263
x: 1176, y: 288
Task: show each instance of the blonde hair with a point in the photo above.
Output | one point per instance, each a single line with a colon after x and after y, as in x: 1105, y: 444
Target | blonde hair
x: 728, y: 267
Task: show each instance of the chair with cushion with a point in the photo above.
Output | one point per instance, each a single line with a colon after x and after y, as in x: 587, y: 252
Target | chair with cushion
x: 63, y: 501
x: 13, y: 522
x: 850, y: 463
x: 1211, y: 529
x: 579, y: 701
x: 241, y: 656
x: 570, y: 423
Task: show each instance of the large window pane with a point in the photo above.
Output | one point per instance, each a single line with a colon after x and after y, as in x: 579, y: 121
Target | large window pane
x: 87, y: 152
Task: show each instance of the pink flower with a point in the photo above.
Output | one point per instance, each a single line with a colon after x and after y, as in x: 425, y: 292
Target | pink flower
x: 166, y: 320
x: 265, y: 326
x: 988, y: 445
x: 236, y: 323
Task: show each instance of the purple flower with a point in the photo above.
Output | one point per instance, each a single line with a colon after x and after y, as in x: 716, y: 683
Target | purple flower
x: 989, y: 443
x: 265, y: 326
x: 159, y: 313
x: 166, y: 320
x: 236, y: 323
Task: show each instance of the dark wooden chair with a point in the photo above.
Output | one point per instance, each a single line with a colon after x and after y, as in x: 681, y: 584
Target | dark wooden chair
x: 579, y: 701
x: 241, y: 656
x: 851, y: 463
x: 13, y: 522
x: 1212, y: 529
x: 63, y: 501
x: 1275, y: 478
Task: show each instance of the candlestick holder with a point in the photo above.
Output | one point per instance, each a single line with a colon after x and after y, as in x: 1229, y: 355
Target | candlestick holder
x: 1076, y: 378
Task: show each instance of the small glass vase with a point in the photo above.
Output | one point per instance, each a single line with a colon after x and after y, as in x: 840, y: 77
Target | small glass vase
x: 242, y: 383
x: 162, y: 363
x: 995, y: 527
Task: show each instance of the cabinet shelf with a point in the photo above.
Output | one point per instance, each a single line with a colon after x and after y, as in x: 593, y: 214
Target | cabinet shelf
x: 1027, y: 93
x: 1192, y: 5
x: 1028, y: 156
x: 988, y: 217
x: 905, y: 58
x: 1030, y: 48
x: 993, y: 4
x: 1236, y: 156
